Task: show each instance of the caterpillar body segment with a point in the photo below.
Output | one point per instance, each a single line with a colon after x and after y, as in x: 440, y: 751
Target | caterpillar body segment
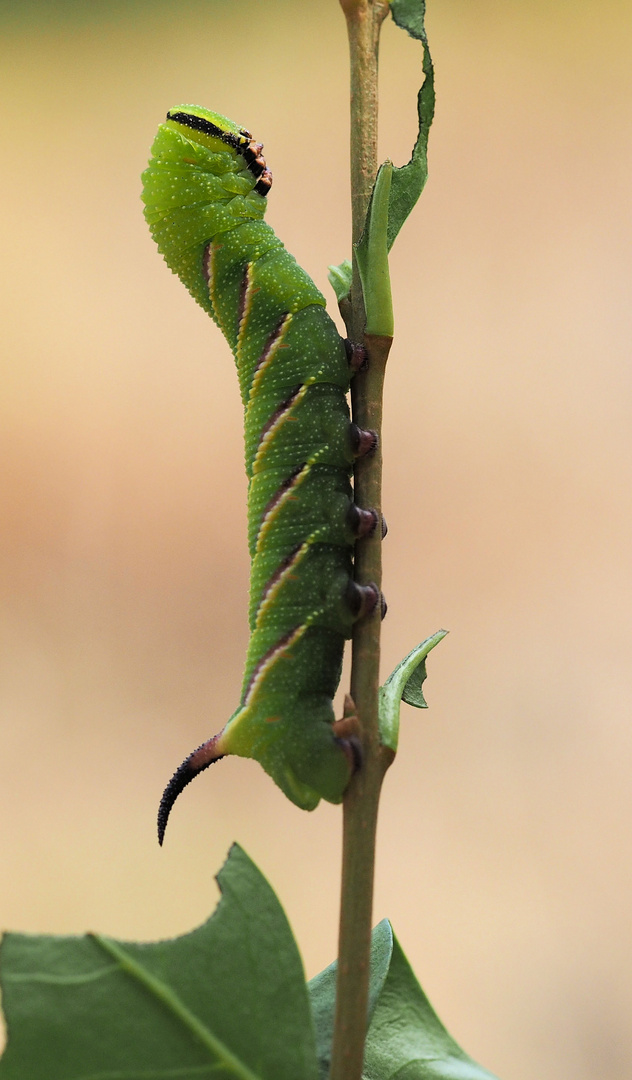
x: 205, y: 196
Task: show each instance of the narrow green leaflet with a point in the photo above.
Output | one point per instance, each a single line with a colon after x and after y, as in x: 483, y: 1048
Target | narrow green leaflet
x: 372, y: 255
x: 340, y: 279
x: 408, y: 181
x: 407, y: 1040
x: 322, y: 992
x: 227, y: 1000
x: 404, y: 684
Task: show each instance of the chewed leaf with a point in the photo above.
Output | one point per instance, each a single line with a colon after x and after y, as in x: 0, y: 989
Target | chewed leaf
x: 340, y: 279
x: 407, y: 1040
x: 228, y: 999
x: 396, y: 190
x: 409, y: 180
x: 405, y: 684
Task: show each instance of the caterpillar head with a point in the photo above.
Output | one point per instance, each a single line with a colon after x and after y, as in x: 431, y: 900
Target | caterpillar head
x: 216, y: 132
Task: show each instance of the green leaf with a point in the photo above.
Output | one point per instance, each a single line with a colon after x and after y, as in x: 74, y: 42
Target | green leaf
x: 227, y: 1000
x: 407, y: 1040
x: 404, y: 684
x: 372, y: 256
x: 408, y: 181
x: 322, y: 992
x: 340, y: 279
x: 396, y: 190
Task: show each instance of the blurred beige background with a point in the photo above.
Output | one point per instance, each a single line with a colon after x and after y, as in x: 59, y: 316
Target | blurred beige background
x: 504, y: 850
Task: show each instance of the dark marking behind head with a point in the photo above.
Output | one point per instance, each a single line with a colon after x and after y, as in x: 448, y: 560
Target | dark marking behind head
x: 198, y: 123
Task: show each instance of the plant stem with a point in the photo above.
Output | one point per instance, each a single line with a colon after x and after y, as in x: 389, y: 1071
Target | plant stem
x: 360, y: 805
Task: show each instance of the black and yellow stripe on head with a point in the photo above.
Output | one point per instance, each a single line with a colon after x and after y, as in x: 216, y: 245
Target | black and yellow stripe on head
x: 210, y: 128
x: 213, y: 125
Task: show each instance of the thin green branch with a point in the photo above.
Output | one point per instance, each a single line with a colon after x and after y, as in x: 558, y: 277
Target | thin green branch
x: 360, y: 807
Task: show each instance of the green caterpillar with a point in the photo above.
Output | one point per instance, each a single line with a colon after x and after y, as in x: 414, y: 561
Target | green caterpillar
x: 205, y: 196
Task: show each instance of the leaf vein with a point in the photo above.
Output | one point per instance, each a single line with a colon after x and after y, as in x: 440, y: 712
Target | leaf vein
x: 172, y: 1002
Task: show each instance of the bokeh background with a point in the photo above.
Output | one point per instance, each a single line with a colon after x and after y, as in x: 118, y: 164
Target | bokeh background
x: 504, y: 847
